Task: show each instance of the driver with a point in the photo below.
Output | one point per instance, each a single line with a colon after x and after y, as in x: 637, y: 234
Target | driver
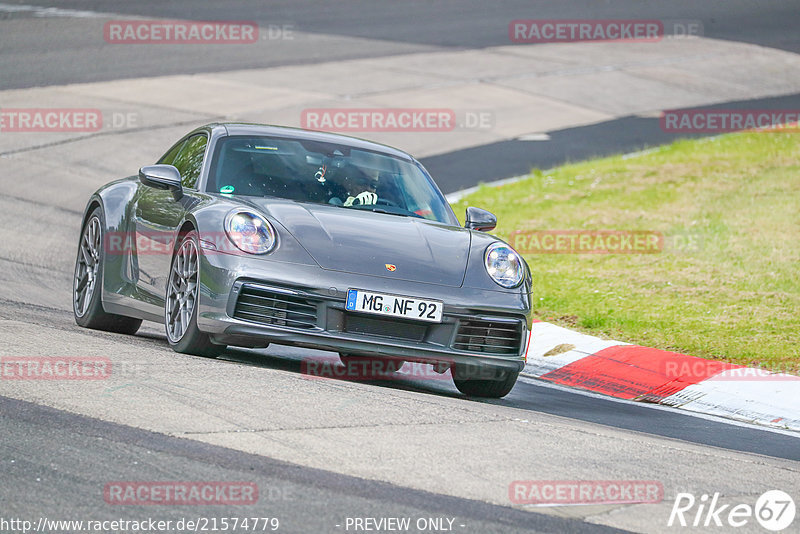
x: 354, y: 187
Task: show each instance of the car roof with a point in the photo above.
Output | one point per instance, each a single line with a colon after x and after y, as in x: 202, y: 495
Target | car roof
x: 240, y: 128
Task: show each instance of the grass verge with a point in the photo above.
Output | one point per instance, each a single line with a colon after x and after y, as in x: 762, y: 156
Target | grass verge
x: 725, y: 286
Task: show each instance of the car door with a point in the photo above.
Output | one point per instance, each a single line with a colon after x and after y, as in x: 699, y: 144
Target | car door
x: 158, y: 214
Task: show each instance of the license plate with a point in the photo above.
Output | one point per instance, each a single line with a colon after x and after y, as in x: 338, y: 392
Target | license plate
x: 394, y: 305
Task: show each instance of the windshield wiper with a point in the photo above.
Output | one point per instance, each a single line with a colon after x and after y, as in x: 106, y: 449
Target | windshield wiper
x: 381, y: 210
x: 399, y: 214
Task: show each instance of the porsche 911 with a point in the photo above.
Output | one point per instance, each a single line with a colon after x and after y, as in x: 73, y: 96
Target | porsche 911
x: 249, y: 235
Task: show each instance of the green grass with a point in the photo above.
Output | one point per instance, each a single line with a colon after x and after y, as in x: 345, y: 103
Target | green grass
x: 733, y: 294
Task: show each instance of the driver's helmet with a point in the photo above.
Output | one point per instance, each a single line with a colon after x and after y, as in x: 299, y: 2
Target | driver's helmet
x: 356, y: 180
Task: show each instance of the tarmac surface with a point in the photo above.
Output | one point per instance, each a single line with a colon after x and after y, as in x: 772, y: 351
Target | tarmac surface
x: 394, y: 447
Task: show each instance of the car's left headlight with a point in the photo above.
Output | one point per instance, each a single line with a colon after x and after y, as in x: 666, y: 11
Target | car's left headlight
x: 504, y: 265
x: 250, y: 232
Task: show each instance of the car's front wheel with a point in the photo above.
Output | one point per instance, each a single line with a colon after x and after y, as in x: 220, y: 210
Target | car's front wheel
x: 477, y: 384
x: 180, y: 305
x: 87, y: 285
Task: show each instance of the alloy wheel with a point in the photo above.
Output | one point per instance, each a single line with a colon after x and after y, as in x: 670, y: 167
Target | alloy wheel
x: 181, y: 290
x: 87, y: 266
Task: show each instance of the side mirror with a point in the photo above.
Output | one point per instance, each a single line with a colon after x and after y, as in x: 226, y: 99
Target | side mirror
x: 478, y: 219
x: 164, y: 177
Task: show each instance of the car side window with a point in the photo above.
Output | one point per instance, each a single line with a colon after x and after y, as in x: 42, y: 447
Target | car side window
x: 169, y: 157
x: 189, y: 160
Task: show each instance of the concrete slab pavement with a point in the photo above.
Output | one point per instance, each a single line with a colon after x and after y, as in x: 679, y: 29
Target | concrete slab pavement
x: 525, y: 88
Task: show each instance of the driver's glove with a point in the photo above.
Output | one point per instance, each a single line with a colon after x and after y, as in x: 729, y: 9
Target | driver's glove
x: 365, y: 198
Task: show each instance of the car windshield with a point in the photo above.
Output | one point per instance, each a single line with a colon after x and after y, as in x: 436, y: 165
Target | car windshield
x: 325, y: 173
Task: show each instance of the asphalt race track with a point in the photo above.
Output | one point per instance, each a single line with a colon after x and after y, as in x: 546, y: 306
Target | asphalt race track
x: 323, y: 451
x: 417, y: 25
x: 365, y: 29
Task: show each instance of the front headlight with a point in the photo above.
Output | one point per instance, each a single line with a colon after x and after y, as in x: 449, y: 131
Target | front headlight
x: 504, y: 265
x: 250, y: 232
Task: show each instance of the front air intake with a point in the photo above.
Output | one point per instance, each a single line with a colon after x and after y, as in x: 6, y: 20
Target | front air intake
x: 489, y: 337
x: 260, y: 305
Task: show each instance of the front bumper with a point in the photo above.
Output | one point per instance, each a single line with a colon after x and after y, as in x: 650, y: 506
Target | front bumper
x: 322, y: 322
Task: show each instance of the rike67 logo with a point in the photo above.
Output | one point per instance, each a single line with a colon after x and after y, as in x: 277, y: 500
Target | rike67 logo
x: 774, y: 510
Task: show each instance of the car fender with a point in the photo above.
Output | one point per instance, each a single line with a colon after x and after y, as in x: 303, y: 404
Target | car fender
x: 114, y: 199
x: 477, y: 277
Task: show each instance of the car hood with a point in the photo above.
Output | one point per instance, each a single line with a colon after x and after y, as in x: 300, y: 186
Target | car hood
x: 375, y: 244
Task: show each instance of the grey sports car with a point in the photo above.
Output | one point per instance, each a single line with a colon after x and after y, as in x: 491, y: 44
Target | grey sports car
x: 247, y: 235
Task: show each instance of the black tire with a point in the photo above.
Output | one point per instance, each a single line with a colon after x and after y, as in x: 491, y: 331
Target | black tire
x: 492, y: 388
x: 190, y: 340
x: 375, y: 365
x: 88, y: 311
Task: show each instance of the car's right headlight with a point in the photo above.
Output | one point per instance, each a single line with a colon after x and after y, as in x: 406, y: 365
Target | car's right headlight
x: 250, y: 232
x: 504, y: 265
